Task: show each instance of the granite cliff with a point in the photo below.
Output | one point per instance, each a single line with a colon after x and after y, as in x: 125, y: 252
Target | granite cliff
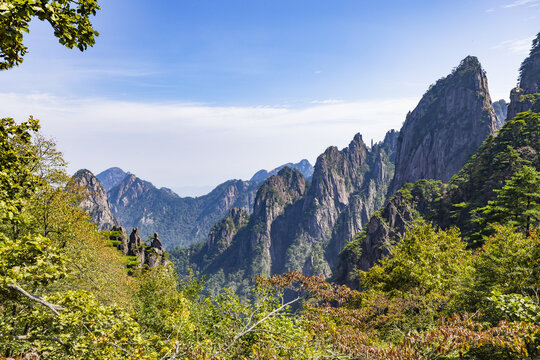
x: 95, y: 201
x: 447, y: 126
x: 446, y: 205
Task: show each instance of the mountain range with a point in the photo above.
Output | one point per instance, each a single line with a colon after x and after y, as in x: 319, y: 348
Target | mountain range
x: 180, y: 221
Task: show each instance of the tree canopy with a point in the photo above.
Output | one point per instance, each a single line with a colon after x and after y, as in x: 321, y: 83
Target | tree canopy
x: 70, y: 20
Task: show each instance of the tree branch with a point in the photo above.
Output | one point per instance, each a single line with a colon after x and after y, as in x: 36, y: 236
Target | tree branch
x: 31, y: 337
x: 53, y: 307
x: 251, y: 328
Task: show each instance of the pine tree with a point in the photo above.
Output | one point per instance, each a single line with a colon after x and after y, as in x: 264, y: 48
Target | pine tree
x: 517, y: 203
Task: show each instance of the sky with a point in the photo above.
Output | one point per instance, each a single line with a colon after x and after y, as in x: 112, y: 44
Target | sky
x: 190, y: 93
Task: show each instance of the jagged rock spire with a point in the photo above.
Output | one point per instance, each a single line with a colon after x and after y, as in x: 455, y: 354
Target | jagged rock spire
x: 448, y: 125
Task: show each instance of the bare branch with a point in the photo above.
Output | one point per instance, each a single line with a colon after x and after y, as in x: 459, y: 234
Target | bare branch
x: 251, y: 328
x: 32, y: 337
x: 53, y: 307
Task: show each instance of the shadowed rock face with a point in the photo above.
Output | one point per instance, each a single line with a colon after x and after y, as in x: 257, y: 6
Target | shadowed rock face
x: 95, y: 202
x: 448, y: 125
x: 526, y: 96
x: 501, y: 111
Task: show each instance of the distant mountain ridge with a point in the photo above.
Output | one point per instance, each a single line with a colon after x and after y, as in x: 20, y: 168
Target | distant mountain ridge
x: 180, y: 221
x: 111, y: 177
x: 304, y: 167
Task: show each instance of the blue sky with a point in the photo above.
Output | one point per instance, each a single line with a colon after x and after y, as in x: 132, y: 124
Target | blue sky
x: 188, y: 94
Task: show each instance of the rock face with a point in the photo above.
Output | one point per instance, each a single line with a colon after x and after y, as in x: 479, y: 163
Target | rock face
x: 304, y: 167
x: 296, y: 227
x: 527, y: 95
x: 95, y: 202
x: 452, y: 119
x: 111, y: 177
x: 181, y: 221
x: 222, y: 234
x: 501, y: 111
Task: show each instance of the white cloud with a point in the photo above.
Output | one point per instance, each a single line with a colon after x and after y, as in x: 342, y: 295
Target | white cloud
x: 182, y: 145
x: 521, y: 3
x: 520, y: 46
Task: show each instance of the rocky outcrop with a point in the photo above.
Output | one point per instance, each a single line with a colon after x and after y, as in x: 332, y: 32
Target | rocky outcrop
x: 304, y: 167
x: 501, y: 111
x: 142, y: 255
x: 111, y: 177
x: 347, y: 186
x: 273, y: 198
x: 221, y: 235
x: 448, y: 125
x: 95, y: 201
x: 527, y: 95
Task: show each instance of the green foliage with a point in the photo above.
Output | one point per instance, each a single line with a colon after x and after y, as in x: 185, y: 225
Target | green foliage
x: 516, y: 307
x: 517, y: 203
x: 69, y: 19
x: 426, y: 261
x: 509, y: 263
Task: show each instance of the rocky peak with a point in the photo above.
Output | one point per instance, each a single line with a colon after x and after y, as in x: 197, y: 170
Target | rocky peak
x: 278, y: 191
x: 111, y: 177
x: 274, y: 197
x: 527, y: 95
x: 448, y: 125
x: 95, y: 201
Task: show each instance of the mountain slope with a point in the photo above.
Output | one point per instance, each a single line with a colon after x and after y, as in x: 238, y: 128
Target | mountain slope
x: 454, y: 204
x: 451, y: 120
x: 179, y: 221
